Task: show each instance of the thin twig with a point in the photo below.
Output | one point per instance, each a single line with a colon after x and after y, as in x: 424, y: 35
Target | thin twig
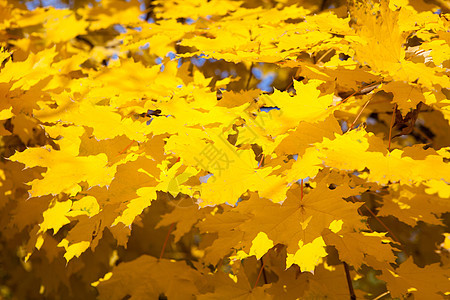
x: 382, y: 295
x: 382, y: 224
x: 378, y: 219
x: 359, y: 91
x: 165, y: 242
x: 325, y: 54
x: 349, y: 282
x: 359, y: 114
x: 290, y: 84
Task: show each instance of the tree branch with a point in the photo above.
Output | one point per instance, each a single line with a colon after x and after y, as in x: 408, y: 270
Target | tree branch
x: 349, y: 282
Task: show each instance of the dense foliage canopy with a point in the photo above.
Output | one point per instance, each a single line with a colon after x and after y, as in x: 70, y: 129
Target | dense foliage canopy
x: 260, y: 149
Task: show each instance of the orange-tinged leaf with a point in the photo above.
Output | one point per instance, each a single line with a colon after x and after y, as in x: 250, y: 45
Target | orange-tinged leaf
x: 147, y: 276
x: 354, y: 247
x: 235, y: 287
x: 429, y: 282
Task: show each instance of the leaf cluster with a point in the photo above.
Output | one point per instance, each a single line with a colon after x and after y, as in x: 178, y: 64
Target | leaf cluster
x: 225, y: 150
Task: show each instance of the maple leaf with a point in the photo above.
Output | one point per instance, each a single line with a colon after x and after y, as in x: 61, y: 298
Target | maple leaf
x: 307, y: 134
x: 62, y: 25
x: 198, y: 8
x: 29, y: 72
x: 429, y: 282
x: 308, y: 213
x: 54, y: 218
x: 407, y: 96
x: 147, y: 276
x: 296, y: 223
x: 380, y: 36
x: 307, y: 105
x: 354, y: 247
x: 349, y: 151
x: 107, y: 13
x: 235, y: 287
x: 184, y: 218
x: 328, y: 282
x: 91, y: 229
x: 60, y: 176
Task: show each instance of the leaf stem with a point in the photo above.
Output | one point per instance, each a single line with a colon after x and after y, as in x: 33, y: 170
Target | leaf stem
x: 260, y: 272
x: 264, y: 272
x: 126, y: 148
x: 349, y: 282
x: 261, y: 161
x: 165, y: 242
x: 301, y: 190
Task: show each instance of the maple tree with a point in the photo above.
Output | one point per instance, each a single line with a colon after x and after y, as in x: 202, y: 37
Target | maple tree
x: 225, y: 149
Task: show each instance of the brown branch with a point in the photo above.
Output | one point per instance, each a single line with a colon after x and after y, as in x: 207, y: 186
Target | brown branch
x: 391, y: 126
x: 349, y: 282
x: 250, y: 76
x: 323, y: 5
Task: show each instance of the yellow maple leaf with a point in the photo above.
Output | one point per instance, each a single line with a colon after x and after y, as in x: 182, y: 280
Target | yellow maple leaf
x: 74, y: 249
x: 307, y: 105
x: 87, y: 205
x: 308, y: 256
x: 55, y: 217
x: 61, y: 176
x: 350, y: 152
